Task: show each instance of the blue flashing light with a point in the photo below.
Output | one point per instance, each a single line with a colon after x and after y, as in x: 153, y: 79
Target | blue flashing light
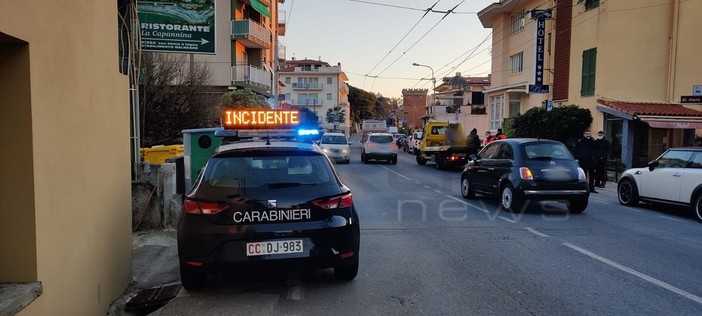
x: 307, y: 132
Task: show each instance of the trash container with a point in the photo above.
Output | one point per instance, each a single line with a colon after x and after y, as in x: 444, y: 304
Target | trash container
x: 199, y: 145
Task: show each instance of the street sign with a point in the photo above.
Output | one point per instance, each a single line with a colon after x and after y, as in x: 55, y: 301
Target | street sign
x: 181, y: 26
x: 690, y: 99
x: 549, y: 105
x: 538, y: 88
x: 697, y: 89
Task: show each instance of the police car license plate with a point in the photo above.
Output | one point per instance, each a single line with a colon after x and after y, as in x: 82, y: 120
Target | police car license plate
x: 273, y: 247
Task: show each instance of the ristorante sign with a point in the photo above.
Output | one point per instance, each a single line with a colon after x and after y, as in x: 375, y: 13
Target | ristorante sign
x: 182, y: 26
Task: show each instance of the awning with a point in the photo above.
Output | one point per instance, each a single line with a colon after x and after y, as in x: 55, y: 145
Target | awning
x: 260, y: 7
x: 673, y: 123
x: 656, y: 115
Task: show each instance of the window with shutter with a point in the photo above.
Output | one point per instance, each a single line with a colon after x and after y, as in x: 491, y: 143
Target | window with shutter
x: 590, y: 4
x: 587, y: 86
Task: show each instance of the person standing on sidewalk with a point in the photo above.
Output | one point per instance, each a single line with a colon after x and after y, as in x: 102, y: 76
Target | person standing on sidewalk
x: 474, y: 142
x: 488, y: 138
x: 499, y: 134
x: 585, y: 153
x: 601, y: 160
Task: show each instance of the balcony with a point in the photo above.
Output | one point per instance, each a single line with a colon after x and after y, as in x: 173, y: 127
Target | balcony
x: 281, y: 22
x: 312, y: 104
x: 251, y: 34
x: 308, y: 86
x: 281, y: 52
x: 250, y: 76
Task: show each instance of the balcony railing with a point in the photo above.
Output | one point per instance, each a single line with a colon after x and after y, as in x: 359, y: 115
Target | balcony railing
x: 310, y: 103
x: 246, y: 74
x: 281, y: 52
x: 251, y: 34
x: 281, y: 22
x: 308, y: 86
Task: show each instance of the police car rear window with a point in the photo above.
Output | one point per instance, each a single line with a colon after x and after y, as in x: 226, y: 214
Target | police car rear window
x: 271, y: 171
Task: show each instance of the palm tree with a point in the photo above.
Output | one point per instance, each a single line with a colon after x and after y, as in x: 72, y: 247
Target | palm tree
x: 336, y: 114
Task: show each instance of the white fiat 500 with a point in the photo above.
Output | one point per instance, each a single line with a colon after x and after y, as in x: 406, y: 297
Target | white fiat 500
x: 674, y: 178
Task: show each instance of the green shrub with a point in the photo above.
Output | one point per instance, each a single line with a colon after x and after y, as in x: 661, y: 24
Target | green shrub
x: 564, y: 123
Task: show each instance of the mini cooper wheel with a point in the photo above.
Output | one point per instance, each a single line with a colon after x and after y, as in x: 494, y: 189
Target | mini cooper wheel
x: 697, y: 207
x: 467, y: 189
x: 627, y: 193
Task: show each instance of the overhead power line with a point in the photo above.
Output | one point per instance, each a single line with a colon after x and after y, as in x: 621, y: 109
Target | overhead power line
x: 418, y: 40
x: 413, y: 9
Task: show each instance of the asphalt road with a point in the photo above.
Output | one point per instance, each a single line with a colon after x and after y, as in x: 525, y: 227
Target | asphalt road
x: 426, y: 250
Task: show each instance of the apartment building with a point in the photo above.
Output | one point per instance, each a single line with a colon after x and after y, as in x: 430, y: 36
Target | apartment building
x: 515, y: 66
x: 462, y: 99
x: 633, y: 63
x: 317, y: 86
x: 246, y: 45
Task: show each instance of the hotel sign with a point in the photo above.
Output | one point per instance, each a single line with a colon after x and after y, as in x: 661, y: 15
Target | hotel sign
x: 540, y: 16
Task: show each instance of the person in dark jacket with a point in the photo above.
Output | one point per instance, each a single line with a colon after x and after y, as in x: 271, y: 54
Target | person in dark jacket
x: 586, y: 153
x: 601, y: 160
x: 474, y: 142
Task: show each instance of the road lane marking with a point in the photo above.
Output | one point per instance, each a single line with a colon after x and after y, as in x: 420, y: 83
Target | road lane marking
x: 401, y: 176
x: 636, y: 273
x: 671, y: 218
x: 536, y: 232
x: 466, y: 203
x: 437, y: 191
x: 507, y: 219
x: 426, y: 186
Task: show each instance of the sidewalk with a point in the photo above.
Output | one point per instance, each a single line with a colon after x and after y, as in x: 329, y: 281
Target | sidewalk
x: 154, y: 264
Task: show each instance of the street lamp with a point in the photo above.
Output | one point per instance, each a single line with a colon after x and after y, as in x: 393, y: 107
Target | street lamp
x: 433, y: 81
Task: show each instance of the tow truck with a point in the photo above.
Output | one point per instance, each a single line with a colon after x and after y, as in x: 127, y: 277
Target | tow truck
x: 442, y: 143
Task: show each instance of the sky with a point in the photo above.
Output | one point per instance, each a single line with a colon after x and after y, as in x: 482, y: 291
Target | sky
x: 366, y: 37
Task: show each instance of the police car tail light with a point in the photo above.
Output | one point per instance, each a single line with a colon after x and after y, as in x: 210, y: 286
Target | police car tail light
x: 335, y: 202
x: 525, y: 173
x: 207, y: 208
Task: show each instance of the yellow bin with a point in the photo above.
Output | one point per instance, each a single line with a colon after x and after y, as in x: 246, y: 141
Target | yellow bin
x: 157, y: 155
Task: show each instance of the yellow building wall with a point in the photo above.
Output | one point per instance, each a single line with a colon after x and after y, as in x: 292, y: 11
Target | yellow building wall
x: 634, y: 56
x: 688, y: 59
x: 506, y: 44
x: 76, y: 154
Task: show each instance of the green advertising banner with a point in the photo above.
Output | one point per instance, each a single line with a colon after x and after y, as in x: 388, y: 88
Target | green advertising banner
x: 180, y: 26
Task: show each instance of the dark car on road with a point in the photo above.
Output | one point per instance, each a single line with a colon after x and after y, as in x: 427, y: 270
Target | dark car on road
x: 520, y: 170
x: 274, y: 205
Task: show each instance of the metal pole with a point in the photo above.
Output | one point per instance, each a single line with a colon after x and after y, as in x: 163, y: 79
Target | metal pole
x: 433, y: 91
